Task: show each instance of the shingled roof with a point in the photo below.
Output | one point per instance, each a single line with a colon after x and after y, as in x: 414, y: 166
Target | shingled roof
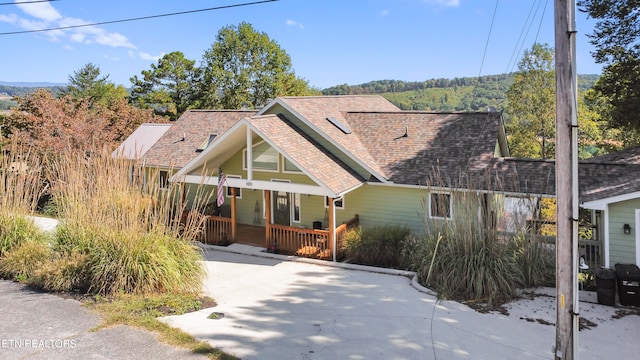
x: 178, y: 145
x: 410, y: 147
x: 317, y: 109
x: 596, y: 180
x: 307, y: 153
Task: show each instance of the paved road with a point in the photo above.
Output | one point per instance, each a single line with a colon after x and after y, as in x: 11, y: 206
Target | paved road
x: 35, y: 325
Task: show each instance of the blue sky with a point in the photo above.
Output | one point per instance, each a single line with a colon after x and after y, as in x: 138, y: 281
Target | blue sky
x: 330, y: 42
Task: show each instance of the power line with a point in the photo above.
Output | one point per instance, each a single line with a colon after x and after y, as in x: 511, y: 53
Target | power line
x: 486, y: 46
x: 139, y: 18
x: 27, y: 2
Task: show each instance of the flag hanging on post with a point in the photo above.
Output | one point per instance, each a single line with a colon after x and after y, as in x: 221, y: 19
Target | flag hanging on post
x: 222, y: 178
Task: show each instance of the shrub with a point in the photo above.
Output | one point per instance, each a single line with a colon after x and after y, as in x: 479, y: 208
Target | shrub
x: 468, y: 268
x: 536, y: 260
x: 16, y: 230
x: 63, y: 272
x: 22, y: 261
x: 377, y: 246
x: 113, y: 260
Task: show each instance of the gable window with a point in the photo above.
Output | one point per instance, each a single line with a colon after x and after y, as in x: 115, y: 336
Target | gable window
x: 440, y: 205
x: 238, y: 190
x: 265, y: 157
x: 339, y: 202
x: 289, y: 166
x: 163, y: 179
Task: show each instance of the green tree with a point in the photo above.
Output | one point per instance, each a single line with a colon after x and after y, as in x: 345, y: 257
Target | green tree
x: 244, y: 68
x: 170, y: 87
x: 87, y: 85
x: 617, y: 40
x: 531, y: 105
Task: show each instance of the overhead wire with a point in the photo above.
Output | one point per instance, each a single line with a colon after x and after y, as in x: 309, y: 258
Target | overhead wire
x: 138, y: 18
x: 520, y: 38
x: 526, y: 34
x: 27, y: 2
x: 486, y: 46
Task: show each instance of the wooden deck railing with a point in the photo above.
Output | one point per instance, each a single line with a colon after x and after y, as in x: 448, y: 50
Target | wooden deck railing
x: 216, y: 230
x: 299, y: 241
x: 308, y: 242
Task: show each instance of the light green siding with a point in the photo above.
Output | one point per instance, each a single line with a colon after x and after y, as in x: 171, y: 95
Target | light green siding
x: 622, y: 247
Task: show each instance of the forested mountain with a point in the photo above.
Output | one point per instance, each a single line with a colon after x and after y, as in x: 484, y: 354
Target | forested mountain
x: 458, y: 94
x: 9, y: 90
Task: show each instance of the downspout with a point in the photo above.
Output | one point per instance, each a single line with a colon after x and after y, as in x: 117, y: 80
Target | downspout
x: 333, y: 228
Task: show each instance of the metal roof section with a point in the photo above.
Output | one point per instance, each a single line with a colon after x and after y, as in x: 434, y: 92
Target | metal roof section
x: 140, y: 141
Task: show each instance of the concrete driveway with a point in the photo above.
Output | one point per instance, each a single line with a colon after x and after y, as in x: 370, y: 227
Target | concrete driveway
x: 279, y: 309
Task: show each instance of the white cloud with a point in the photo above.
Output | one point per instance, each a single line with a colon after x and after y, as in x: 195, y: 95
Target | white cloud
x: 448, y: 3
x: 294, y: 23
x: 43, y: 11
x: 145, y: 56
x: 11, y: 18
x: 44, y: 15
x: 384, y: 12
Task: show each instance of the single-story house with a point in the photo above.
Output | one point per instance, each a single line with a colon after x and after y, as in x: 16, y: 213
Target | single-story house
x: 301, y: 166
x: 302, y: 169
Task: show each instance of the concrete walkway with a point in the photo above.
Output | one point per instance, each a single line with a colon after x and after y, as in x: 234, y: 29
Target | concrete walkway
x: 279, y: 309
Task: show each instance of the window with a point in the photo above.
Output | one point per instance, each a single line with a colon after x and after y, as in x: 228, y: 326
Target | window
x: 440, y: 206
x: 163, y: 179
x: 264, y: 157
x: 289, y: 166
x: 238, y: 190
x: 339, y: 202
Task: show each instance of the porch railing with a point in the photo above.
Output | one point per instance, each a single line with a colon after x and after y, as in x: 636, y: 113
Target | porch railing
x: 311, y: 243
x: 300, y: 241
x: 216, y: 230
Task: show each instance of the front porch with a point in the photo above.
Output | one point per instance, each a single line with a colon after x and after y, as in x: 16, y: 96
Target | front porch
x: 289, y: 240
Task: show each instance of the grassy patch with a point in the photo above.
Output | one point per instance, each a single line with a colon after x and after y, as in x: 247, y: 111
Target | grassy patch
x: 143, y: 311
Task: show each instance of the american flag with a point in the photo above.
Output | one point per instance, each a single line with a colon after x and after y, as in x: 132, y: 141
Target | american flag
x: 222, y: 178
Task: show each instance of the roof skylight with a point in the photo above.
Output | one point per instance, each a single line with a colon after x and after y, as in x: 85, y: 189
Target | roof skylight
x: 339, y: 125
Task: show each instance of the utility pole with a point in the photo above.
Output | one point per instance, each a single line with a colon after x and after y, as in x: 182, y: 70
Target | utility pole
x: 567, y: 318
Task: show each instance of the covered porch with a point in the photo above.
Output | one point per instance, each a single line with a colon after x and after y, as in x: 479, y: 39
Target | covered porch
x: 289, y: 240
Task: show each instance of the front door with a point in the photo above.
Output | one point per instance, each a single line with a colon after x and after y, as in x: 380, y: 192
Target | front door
x: 281, y: 208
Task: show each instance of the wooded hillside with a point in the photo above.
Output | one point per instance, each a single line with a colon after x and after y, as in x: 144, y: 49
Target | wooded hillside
x: 458, y: 94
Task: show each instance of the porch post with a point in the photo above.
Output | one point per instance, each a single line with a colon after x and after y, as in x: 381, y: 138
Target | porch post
x: 267, y: 220
x: 234, y: 219
x: 332, y: 228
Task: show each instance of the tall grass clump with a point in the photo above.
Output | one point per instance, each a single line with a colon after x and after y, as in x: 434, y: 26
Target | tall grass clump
x: 118, y: 235
x: 463, y: 255
x: 21, y: 180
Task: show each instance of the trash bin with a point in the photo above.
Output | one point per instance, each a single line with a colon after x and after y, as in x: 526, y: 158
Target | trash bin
x: 317, y: 225
x: 606, y: 286
x: 628, y: 284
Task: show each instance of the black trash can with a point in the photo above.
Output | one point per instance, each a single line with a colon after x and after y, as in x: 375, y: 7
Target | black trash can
x: 317, y: 225
x: 606, y: 286
x: 628, y: 284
